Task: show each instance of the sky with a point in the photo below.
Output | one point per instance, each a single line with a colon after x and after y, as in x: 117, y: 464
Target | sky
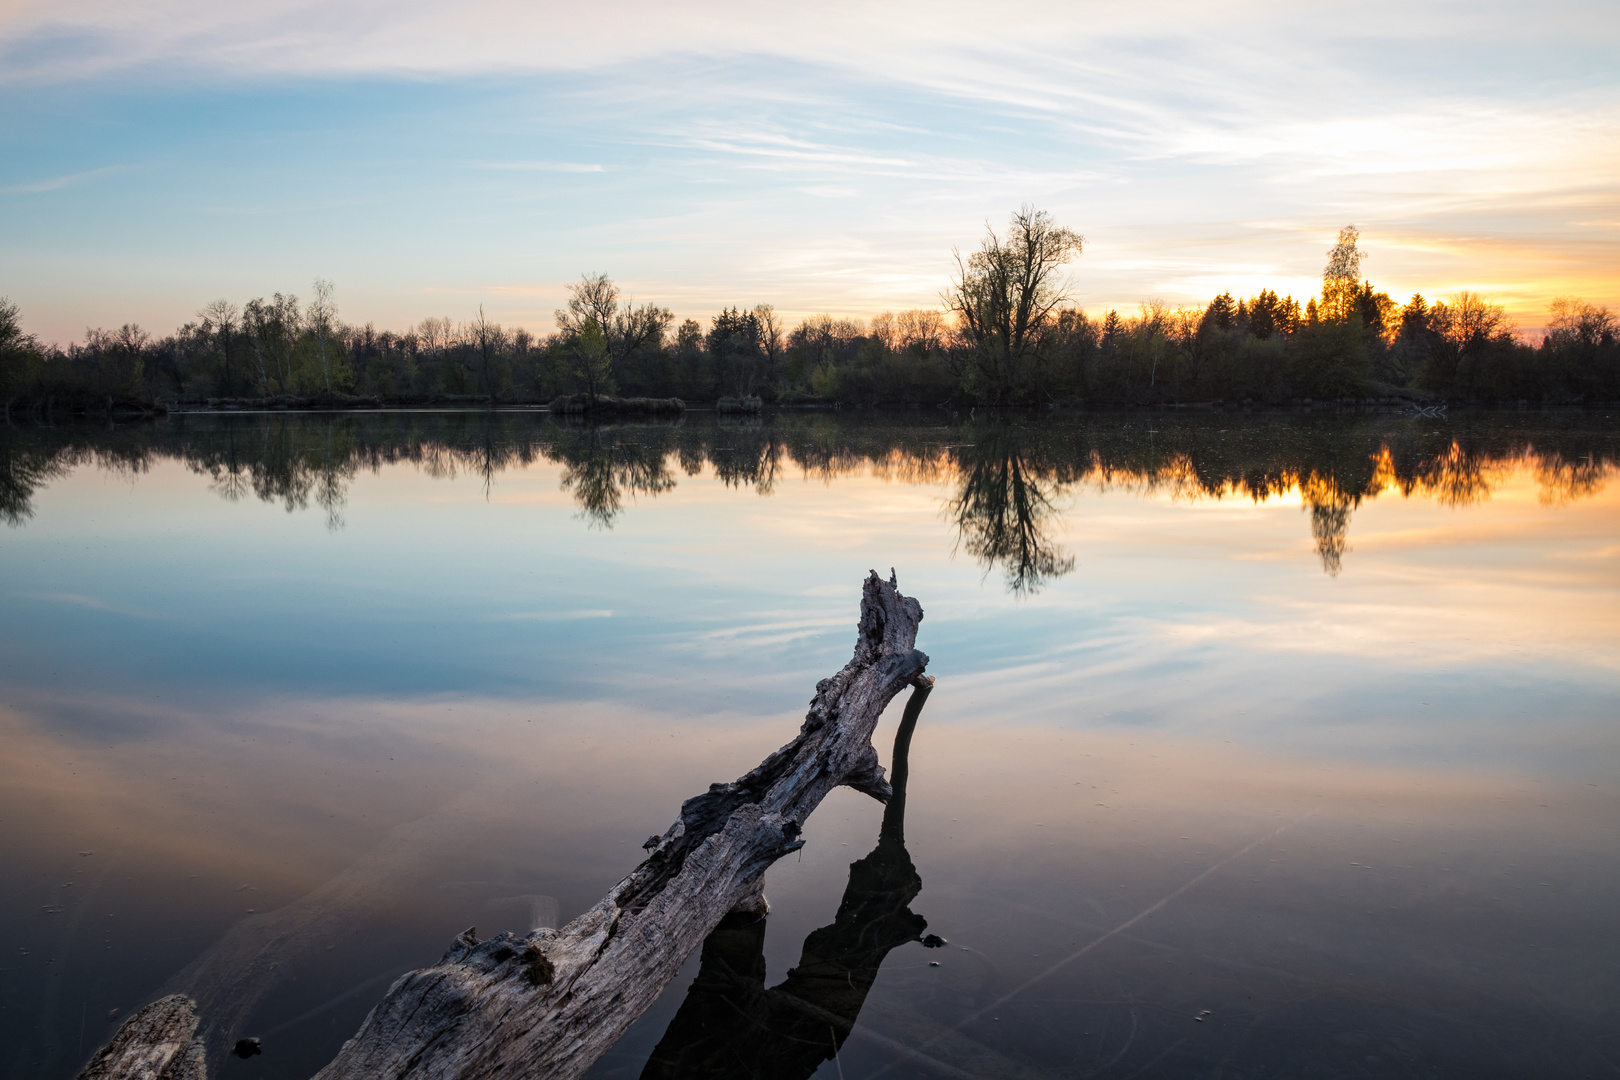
x: 432, y: 158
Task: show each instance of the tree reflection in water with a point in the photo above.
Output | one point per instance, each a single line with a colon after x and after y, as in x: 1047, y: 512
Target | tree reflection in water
x: 600, y: 470
x: 1330, y: 510
x: 731, y: 1026
x: 23, y: 470
x: 1002, y: 509
x: 1006, y: 475
x: 1561, y: 482
x: 745, y: 454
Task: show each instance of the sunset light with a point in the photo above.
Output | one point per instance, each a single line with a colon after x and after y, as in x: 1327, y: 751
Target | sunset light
x: 701, y: 540
x: 430, y: 159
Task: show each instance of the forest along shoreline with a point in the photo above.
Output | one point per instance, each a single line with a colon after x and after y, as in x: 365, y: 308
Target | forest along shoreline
x: 1007, y: 334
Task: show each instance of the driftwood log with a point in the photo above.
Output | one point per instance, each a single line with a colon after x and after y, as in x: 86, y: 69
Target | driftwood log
x: 158, y: 1043
x: 549, y: 1003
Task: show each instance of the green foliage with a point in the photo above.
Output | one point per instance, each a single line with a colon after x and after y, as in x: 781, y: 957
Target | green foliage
x: 632, y: 337
x: 318, y: 368
x: 824, y: 382
x: 1339, y: 289
x: 592, y: 364
x: 20, y: 359
x: 1329, y: 358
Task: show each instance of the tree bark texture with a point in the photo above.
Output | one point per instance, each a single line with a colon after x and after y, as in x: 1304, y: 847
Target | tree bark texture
x: 157, y: 1043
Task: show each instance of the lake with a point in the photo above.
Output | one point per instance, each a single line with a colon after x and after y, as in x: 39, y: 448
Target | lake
x: 1272, y: 744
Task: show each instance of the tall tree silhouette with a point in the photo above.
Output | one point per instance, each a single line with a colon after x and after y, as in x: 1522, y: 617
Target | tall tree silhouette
x: 1004, y: 296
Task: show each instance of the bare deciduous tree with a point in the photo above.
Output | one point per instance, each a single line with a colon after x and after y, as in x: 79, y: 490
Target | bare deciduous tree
x: 771, y: 338
x: 593, y: 296
x: 1575, y: 323
x: 922, y: 329
x: 483, y: 344
x: 1003, y: 296
x: 625, y: 327
x: 1474, y: 319
x: 256, y: 324
x: 322, y: 312
x: 219, y: 321
x: 434, y: 334
x: 282, y: 323
x: 19, y: 352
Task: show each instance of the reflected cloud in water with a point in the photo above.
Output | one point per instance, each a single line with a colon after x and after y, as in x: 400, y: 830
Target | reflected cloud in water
x: 346, y: 721
x: 339, y: 747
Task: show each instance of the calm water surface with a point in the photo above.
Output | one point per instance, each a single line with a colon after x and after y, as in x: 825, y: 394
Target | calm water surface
x: 1261, y: 746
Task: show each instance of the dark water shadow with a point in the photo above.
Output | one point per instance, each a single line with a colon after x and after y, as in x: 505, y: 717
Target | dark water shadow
x: 731, y: 1027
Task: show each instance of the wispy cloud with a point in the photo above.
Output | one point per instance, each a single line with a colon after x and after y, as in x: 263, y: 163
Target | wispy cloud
x: 56, y: 183
x: 1198, y: 148
x: 540, y: 166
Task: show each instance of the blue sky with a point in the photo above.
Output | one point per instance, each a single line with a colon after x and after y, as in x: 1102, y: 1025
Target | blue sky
x: 430, y: 158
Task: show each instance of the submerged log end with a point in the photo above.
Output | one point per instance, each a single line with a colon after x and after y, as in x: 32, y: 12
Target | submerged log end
x: 159, y: 1042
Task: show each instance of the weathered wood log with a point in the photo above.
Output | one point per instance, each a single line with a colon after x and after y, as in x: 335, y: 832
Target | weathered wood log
x: 157, y: 1043
x: 552, y: 1002
x: 549, y: 1003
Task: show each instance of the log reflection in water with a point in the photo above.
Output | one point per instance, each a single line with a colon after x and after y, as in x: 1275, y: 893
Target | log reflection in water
x: 731, y: 1026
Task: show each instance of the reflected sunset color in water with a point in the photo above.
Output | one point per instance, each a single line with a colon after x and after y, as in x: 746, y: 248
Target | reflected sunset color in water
x: 1258, y: 742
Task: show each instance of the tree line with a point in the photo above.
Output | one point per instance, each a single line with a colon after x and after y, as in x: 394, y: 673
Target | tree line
x: 1006, y: 333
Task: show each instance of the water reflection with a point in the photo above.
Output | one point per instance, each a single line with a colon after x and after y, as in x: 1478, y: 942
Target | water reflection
x: 24, y: 469
x: 731, y: 1026
x: 1008, y: 479
x: 1330, y: 521
x: 1003, y: 509
x: 300, y: 761
x: 600, y: 470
